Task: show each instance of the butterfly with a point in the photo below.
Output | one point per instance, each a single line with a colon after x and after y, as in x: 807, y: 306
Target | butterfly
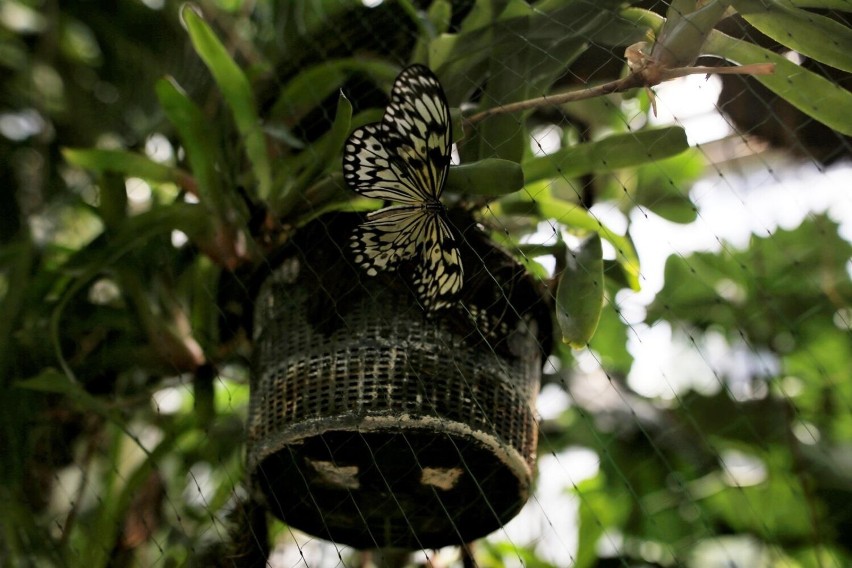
x: 405, y: 159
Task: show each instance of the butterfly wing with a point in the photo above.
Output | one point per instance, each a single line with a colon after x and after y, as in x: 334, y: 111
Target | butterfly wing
x: 439, y: 276
x: 388, y: 237
x: 418, y: 126
x: 373, y: 169
x: 404, y: 158
x: 395, y: 234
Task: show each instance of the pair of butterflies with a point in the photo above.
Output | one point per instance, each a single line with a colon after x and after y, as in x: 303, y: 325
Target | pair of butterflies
x: 405, y: 159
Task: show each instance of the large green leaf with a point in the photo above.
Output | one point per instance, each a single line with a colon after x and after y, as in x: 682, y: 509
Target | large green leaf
x: 579, y: 296
x: 237, y: 92
x: 840, y: 5
x: 199, y: 139
x: 679, y: 41
x: 611, y: 153
x: 815, y: 36
x: 491, y: 177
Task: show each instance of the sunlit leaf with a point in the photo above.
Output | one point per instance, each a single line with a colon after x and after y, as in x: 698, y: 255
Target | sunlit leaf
x: 572, y: 215
x: 815, y: 36
x: 613, y: 152
x: 237, y: 92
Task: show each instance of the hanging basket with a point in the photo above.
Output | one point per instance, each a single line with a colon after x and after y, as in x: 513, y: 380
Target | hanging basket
x: 375, y: 426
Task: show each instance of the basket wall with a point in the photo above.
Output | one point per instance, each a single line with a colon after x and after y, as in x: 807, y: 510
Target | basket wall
x: 379, y: 427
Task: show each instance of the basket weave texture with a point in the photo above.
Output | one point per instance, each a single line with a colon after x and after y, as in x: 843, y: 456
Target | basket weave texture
x: 375, y: 426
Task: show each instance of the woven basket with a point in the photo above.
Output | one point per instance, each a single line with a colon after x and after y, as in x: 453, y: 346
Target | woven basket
x: 375, y: 426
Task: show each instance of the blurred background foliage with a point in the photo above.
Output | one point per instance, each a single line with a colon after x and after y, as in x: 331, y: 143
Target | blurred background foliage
x: 151, y: 156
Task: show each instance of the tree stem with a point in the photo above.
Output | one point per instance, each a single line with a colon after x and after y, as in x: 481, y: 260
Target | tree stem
x: 647, y: 76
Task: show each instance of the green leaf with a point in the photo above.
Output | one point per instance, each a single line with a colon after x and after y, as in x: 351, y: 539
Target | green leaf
x: 610, y: 339
x: 105, y: 528
x: 324, y: 153
x: 440, y: 13
x: 779, y: 280
x: 778, y: 507
x: 680, y: 39
x: 812, y: 94
x: 198, y: 138
x: 311, y: 86
x: 501, y: 135
x: 572, y: 215
x: 600, y: 509
x: 237, y: 92
x: 123, y: 162
x: 815, y: 36
x: 188, y: 218
x: 491, y: 177
x: 515, y: 30
x: 663, y: 186
x: 841, y: 5
x: 579, y: 296
x: 52, y: 381
x: 613, y: 152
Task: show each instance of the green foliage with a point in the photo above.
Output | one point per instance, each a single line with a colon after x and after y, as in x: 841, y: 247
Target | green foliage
x: 611, y: 153
x: 105, y: 315
x: 237, y: 93
x: 492, y: 177
x: 578, y: 311
x: 813, y: 35
x: 781, y: 284
x: 688, y: 23
x: 809, y: 92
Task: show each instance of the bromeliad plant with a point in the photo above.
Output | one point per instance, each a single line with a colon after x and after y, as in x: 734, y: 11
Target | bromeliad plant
x: 292, y: 183
x: 494, y: 62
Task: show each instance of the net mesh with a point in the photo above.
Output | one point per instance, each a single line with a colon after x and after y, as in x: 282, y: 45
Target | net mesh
x: 168, y: 408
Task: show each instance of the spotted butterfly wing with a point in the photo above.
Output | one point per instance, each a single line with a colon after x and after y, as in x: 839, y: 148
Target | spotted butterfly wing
x: 405, y: 159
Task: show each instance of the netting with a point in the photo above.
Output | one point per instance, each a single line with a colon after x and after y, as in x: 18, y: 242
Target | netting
x: 647, y: 359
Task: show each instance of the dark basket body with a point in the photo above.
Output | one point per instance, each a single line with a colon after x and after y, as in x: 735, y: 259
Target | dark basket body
x: 375, y: 426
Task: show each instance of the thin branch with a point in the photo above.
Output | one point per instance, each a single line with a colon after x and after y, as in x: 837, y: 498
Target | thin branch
x: 646, y: 76
x: 631, y: 81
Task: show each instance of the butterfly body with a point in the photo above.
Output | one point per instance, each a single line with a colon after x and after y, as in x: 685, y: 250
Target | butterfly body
x: 404, y: 159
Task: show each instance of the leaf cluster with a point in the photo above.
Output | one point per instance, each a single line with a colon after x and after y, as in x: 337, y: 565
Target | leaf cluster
x: 112, y: 305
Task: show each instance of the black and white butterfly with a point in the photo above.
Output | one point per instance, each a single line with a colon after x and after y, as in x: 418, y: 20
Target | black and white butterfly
x: 405, y: 159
